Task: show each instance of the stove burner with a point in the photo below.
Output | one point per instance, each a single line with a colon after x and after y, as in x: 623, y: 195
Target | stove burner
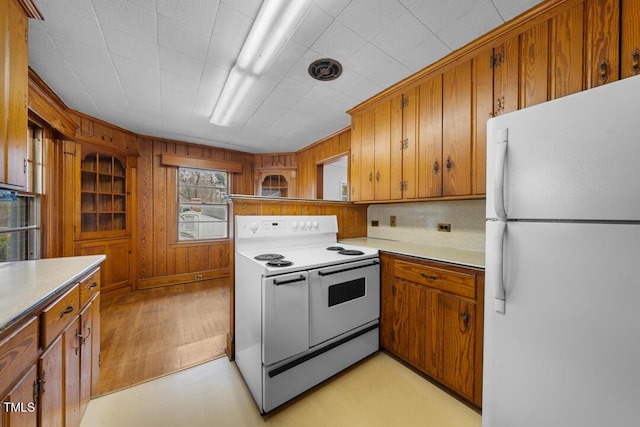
x: 335, y: 248
x: 268, y: 257
x: 279, y: 263
x: 350, y: 252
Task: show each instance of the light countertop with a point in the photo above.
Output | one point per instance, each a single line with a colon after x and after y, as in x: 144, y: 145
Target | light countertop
x: 462, y: 257
x: 24, y: 284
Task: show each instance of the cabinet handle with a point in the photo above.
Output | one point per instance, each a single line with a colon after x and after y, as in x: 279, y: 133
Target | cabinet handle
x: 635, y: 61
x: 378, y: 176
x: 83, y: 338
x: 428, y: 276
x: 603, y: 70
x: 93, y: 285
x: 449, y: 164
x: 370, y: 176
x: 436, y: 166
x: 67, y: 310
x: 465, y: 319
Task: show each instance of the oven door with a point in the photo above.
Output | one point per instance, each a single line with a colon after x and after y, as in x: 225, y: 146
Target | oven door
x: 285, y: 316
x: 342, y: 297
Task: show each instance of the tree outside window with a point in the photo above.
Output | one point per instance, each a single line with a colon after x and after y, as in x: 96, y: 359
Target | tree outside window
x: 202, y: 205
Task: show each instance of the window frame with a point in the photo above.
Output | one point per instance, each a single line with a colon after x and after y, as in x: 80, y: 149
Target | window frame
x: 182, y: 225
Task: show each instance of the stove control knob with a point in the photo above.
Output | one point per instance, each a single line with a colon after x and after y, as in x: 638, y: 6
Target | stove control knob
x: 315, y: 225
x: 294, y: 225
x: 253, y: 227
x: 307, y: 225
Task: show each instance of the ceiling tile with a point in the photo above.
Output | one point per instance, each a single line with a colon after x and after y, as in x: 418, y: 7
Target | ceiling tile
x: 182, y: 38
x: 313, y: 25
x: 437, y: 15
x: 509, y: 9
x: 127, y: 16
x: 410, y: 42
x: 231, y: 27
x: 333, y: 7
x: 338, y: 42
x: 368, y: 17
x: 128, y: 46
x: 476, y: 22
x: 199, y: 15
x: 179, y: 63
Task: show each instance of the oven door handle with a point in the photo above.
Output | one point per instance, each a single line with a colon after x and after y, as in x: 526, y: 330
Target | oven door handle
x: 286, y: 282
x: 329, y: 273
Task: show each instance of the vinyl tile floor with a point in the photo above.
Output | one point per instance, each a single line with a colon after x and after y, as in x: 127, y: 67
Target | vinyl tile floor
x: 377, y: 392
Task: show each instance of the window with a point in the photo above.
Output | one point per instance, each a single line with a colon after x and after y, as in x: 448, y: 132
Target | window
x: 19, y: 226
x: 202, y: 205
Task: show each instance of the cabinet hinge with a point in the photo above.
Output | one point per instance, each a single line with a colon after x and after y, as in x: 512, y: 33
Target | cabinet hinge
x: 404, y: 102
x: 393, y: 335
x: 404, y: 185
x: 496, y: 60
x: 404, y: 144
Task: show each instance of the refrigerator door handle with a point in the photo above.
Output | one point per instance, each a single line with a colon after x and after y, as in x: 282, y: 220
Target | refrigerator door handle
x: 498, y: 173
x: 495, y: 242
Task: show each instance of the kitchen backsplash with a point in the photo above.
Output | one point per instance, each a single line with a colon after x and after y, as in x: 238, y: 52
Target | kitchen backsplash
x: 418, y: 222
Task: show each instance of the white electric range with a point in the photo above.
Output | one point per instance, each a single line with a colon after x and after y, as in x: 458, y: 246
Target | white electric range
x: 306, y: 307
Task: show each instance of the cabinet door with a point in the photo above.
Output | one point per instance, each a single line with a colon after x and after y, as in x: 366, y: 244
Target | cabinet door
x: 430, y: 138
x: 18, y: 72
x: 456, y: 138
x: 115, y: 271
x: 534, y: 65
x: 4, y: 87
x: 72, y: 373
x: 51, y: 388
x: 425, y: 326
x: 383, y: 152
x: 399, y: 328
x: 409, y: 107
x: 89, y: 351
x: 396, y: 144
x: 630, y: 38
x: 506, y: 76
x: 459, y: 345
x: 367, y: 158
x: 602, y: 35
x: 25, y: 413
x: 356, y: 160
x: 566, y: 52
x: 483, y: 111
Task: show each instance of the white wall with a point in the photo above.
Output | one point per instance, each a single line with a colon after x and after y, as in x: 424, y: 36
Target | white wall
x: 334, y: 174
x: 417, y: 223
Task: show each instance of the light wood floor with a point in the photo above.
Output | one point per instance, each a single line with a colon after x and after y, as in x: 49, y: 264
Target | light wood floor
x: 154, y: 332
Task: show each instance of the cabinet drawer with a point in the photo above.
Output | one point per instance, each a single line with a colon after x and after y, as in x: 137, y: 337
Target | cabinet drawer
x: 89, y: 287
x: 59, y: 314
x: 455, y: 282
x: 18, y: 351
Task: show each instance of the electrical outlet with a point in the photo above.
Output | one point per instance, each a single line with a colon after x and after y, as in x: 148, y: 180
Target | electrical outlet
x: 198, y: 276
x: 444, y: 227
x: 392, y: 220
x: 375, y: 223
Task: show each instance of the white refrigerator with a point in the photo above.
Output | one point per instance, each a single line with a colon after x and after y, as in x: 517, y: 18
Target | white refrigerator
x: 562, y: 300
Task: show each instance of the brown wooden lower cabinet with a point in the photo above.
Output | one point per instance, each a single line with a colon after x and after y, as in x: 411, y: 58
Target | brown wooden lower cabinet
x: 432, y: 317
x: 50, y: 383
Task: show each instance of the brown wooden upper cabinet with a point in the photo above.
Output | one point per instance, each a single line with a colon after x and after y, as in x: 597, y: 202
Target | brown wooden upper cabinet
x: 14, y: 62
x: 425, y: 137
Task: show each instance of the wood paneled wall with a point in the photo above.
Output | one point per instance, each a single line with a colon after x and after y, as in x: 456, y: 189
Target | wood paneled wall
x: 310, y: 157
x: 160, y: 258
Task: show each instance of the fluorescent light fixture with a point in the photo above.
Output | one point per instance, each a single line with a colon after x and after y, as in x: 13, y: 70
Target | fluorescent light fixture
x: 233, y: 94
x: 273, y: 27
x: 275, y: 24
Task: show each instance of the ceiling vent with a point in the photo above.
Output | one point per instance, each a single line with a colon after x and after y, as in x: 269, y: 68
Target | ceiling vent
x: 325, y: 69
